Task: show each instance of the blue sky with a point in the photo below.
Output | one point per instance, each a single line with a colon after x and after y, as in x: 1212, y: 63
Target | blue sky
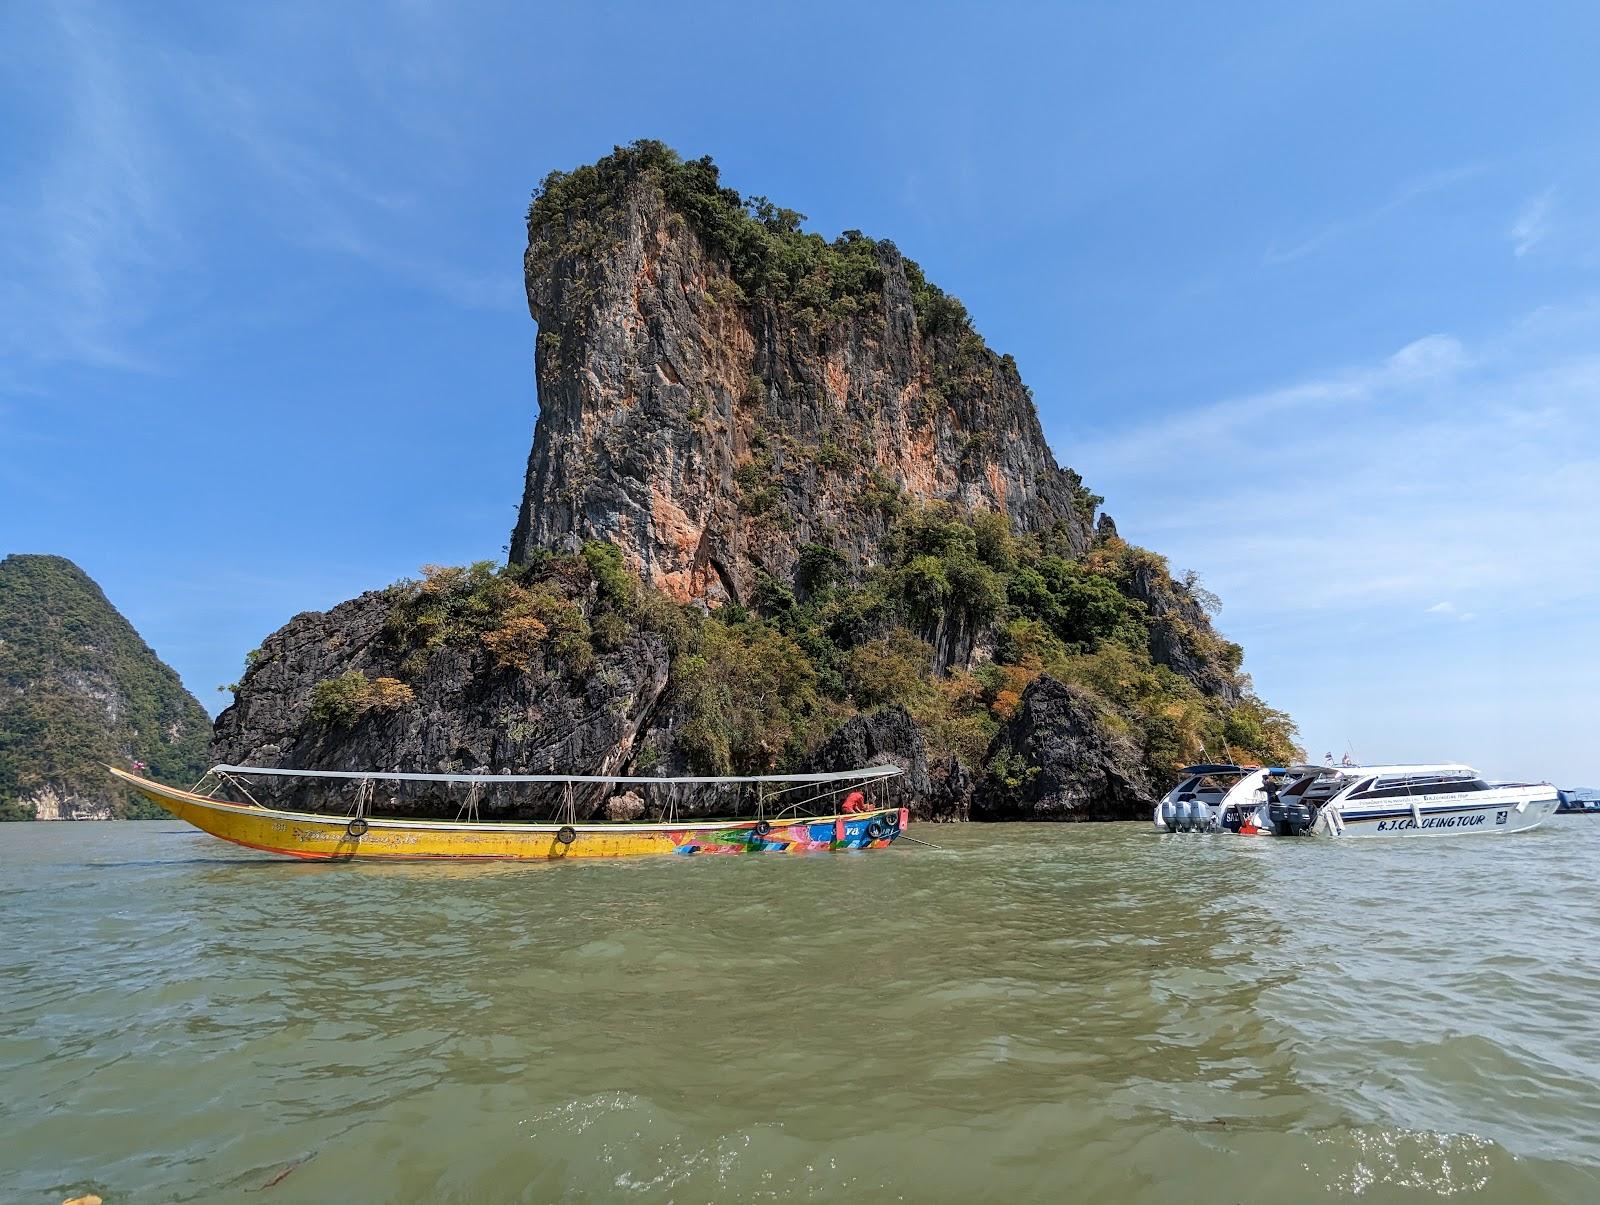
x: 1311, y: 294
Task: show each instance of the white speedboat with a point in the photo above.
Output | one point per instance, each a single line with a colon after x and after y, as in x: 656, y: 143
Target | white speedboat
x: 1350, y: 801
x: 1195, y: 804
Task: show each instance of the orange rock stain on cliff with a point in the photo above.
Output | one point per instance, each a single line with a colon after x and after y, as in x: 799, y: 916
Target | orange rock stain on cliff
x: 919, y: 462
x: 672, y: 525
x: 837, y: 379
x: 997, y: 484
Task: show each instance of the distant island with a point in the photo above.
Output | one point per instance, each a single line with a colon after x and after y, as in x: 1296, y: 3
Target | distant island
x: 80, y: 689
x: 784, y: 507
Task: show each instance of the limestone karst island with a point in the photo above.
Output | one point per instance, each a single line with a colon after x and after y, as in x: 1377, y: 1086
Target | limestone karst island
x: 785, y: 511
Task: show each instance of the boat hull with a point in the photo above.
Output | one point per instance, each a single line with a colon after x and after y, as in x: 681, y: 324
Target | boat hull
x: 317, y: 838
x: 1505, y: 815
x: 1506, y: 812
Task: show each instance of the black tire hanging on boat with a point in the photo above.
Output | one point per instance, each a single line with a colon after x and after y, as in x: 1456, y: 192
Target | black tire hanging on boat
x: 874, y: 830
x: 566, y: 834
x: 357, y: 827
x: 762, y: 828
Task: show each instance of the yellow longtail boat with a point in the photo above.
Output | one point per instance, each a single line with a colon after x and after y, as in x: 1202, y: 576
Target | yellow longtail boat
x: 330, y: 838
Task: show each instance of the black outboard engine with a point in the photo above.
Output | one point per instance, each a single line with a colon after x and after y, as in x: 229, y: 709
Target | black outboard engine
x: 1291, y: 818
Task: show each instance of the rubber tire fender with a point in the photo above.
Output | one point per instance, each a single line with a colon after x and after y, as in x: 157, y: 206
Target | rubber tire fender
x: 357, y: 827
x: 762, y: 828
x: 566, y: 834
x: 875, y: 830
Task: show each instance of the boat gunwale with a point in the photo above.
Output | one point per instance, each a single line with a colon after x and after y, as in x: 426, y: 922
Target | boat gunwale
x: 478, y: 826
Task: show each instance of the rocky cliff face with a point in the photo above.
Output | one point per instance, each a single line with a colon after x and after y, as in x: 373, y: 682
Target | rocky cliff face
x: 935, y: 788
x: 712, y: 421
x: 1055, y: 759
x: 784, y: 509
x: 80, y: 689
x: 460, y: 710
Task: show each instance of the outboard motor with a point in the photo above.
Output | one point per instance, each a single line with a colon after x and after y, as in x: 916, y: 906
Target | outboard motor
x: 1186, y: 817
x: 1290, y: 819
x: 1169, y: 816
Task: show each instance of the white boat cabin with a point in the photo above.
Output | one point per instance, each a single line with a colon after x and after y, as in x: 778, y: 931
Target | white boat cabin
x: 1342, y: 801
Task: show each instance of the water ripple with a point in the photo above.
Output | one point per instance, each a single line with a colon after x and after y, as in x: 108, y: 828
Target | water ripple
x: 1026, y: 1012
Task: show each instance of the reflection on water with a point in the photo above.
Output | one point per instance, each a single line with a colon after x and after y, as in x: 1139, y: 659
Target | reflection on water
x: 1028, y: 1011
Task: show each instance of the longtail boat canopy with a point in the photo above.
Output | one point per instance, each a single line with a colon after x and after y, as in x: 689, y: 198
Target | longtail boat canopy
x: 362, y: 835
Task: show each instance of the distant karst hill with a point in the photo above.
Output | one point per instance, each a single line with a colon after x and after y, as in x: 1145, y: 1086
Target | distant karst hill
x: 78, y: 689
x: 784, y: 507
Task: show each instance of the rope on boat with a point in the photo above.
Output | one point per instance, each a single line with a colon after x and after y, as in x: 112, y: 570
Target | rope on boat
x: 358, y: 824
x: 469, y: 806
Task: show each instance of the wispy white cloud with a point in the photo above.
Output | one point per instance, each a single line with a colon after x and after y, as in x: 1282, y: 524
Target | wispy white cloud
x: 1408, y: 549
x: 89, y: 220
x: 147, y: 139
x: 1261, y: 419
x: 1287, y: 251
x: 1479, y: 488
x: 314, y: 198
x: 1532, y: 222
x: 1439, y: 471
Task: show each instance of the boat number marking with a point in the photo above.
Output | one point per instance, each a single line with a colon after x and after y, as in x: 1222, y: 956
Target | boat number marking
x: 1390, y: 826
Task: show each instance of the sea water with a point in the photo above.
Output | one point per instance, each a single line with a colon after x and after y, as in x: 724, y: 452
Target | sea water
x: 1025, y: 1013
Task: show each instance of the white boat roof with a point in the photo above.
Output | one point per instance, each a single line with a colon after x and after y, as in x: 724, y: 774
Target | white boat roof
x: 1391, y: 770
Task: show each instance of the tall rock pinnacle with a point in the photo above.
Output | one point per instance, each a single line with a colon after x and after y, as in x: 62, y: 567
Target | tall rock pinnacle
x: 718, y: 390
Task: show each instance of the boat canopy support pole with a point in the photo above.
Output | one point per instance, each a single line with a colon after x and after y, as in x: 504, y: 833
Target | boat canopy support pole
x: 228, y: 780
x: 469, y: 807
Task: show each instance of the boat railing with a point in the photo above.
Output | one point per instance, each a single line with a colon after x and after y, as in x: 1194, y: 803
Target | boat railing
x: 565, y: 796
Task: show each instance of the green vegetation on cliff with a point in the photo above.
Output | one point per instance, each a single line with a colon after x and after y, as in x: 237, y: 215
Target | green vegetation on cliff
x: 757, y: 685
x: 78, y: 689
x: 769, y: 256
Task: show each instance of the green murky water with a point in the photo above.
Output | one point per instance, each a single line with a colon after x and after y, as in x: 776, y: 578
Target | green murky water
x: 1029, y: 1013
